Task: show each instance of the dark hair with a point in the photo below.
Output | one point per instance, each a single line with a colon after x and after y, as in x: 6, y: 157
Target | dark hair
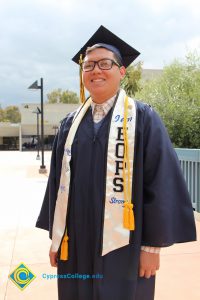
x: 96, y: 46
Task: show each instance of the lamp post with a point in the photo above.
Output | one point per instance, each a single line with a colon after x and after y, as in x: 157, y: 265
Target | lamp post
x: 35, y: 86
x: 37, y: 111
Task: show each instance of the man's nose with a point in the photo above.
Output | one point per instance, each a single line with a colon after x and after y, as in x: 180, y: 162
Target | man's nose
x: 96, y: 68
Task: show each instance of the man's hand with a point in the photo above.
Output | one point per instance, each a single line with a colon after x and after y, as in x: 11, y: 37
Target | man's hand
x: 149, y: 264
x: 53, y: 258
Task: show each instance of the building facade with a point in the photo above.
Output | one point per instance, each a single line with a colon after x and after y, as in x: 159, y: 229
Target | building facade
x: 24, y: 136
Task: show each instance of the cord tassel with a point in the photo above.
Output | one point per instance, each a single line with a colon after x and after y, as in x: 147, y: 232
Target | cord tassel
x: 64, y: 248
x: 82, y: 89
x: 131, y: 217
x: 128, y: 216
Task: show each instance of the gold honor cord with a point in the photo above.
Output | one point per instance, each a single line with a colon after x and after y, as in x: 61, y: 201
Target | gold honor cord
x: 64, y: 247
x: 82, y: 90
x: 128, y: 215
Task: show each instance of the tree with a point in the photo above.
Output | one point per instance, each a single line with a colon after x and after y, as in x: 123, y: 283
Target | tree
x: 54, y: 96
x: 176, y: 97
x: 59, y: 96
x: 10, y: 114
x: 131, y: 82
x: 69, y: 97
x: 1, y: 115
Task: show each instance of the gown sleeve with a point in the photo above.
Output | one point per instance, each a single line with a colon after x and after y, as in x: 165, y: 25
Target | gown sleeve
x: 46, y: 215
x: 167, y: 210
x: 45, y: 218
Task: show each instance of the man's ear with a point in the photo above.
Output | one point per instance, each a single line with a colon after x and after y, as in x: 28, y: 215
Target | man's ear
x: 122, y: 72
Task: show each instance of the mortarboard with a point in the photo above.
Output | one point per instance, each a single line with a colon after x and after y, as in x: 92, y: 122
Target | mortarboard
x: 104, y: 36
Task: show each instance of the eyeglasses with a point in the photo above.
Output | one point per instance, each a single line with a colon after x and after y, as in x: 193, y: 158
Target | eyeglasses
x: 103, y: 64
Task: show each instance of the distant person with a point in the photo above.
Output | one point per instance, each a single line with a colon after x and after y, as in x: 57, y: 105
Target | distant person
x: 116, y: 193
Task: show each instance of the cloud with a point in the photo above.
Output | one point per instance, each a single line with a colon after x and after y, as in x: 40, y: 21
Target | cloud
x: 194, y: 43
x: 38, y: 38
x: 163, y: 6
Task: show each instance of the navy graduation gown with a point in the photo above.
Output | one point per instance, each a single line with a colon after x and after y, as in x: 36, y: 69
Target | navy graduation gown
x: 163, y: 210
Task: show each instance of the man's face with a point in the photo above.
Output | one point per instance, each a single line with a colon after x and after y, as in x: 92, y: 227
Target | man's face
x: 102, y: 84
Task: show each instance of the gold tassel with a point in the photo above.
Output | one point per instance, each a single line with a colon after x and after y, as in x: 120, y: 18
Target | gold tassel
x: 131, y: 217
x: 82, y: 89
x: 64, y: 248
x: 128, y: 216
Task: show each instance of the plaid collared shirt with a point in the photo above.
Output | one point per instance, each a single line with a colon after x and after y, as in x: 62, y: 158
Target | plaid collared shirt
x: 99, y: 111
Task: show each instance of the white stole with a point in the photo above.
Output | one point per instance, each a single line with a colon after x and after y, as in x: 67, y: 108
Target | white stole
x: 114, y: 235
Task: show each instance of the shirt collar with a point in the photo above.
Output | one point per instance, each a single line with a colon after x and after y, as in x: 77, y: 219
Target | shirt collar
x: 107, y: 105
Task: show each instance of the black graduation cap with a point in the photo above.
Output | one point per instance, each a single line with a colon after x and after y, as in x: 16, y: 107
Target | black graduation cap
x: 104, y: 36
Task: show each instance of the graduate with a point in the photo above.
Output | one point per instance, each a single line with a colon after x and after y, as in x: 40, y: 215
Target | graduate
x: 116, y: 193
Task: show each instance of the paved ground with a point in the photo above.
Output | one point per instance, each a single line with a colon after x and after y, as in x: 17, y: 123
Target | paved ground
x: 21, y: 194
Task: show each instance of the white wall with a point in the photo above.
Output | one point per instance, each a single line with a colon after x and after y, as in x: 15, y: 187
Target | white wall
x: 53, y: 113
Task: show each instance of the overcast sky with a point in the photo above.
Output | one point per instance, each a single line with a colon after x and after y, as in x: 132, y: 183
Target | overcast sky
x: 38, y: 38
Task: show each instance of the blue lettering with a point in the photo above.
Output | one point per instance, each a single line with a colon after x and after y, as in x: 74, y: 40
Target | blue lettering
x: 113, y: 200
x: 117, y: 117
x: 121, y: 119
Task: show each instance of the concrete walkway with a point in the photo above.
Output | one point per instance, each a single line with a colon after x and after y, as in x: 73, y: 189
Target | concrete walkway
x: 21, y: 193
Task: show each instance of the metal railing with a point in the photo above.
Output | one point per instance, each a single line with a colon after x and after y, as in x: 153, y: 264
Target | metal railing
x: 190, y: 164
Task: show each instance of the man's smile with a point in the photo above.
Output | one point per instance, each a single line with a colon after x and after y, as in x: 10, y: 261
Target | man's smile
x: 98, y: 80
